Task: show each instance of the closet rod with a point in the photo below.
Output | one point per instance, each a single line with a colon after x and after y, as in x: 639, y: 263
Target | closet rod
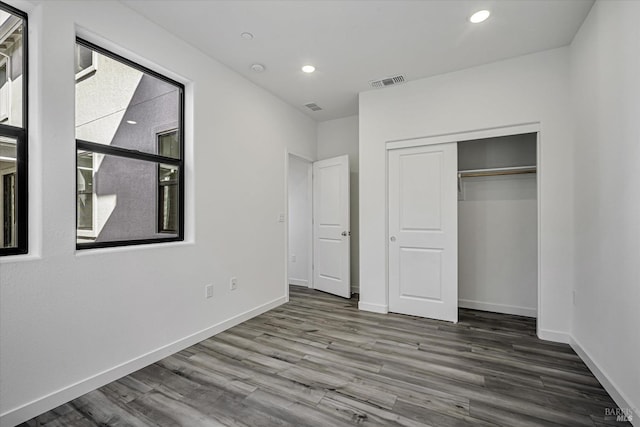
x: 496, y: 171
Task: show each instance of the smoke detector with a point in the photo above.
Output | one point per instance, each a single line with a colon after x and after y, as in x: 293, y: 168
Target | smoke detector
x: 313, y: 106
x: 387, y: 81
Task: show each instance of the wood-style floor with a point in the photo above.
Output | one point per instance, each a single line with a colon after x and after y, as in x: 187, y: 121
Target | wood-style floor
x: 318, y: 361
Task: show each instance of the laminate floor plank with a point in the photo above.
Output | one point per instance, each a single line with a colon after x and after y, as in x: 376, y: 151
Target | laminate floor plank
x: 319, y: 361
x: 481, y: 394
x: 501, y: 417
x: 386, y: 417
x: 556, y: 400
x: 61, y: 416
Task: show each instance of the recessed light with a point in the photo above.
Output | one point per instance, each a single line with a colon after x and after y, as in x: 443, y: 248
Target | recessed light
x: 258, y: 68
x: 132, y: 122
x: 479, y: 16
x: 246, y: 36
x: 308, y: 68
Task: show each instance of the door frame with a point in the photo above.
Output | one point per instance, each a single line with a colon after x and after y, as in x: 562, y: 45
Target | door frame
x: 507, y: 130
x: 288, y: 155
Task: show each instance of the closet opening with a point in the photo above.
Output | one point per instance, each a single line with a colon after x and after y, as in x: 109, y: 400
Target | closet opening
x: 498, y: 225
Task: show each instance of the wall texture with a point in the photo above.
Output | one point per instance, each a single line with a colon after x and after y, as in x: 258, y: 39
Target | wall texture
x: 100, y: 112
x: 62, y: 313
x: 335, y: 138
x: 532, y: 88
x: 606, y: 91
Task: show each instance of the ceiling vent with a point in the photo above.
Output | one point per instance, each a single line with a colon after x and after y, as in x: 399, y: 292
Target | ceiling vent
x: 313, y: 106
x: 387, y: 81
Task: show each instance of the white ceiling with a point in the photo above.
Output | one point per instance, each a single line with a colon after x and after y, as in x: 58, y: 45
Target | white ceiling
x: 353, y: 42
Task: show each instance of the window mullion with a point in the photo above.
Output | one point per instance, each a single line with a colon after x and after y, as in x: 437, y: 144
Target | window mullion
x: 124, y: 152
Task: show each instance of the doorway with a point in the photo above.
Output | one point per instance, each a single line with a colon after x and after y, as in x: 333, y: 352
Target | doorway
x: 318, y: 232
x: 463, y: 223
x: 300, y: 219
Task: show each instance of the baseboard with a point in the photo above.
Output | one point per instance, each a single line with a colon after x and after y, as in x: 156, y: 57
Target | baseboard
x: 375, y: 308
x: 23, y: 413
x: 498, y: 308
x: 299, y: 282
x: 623, y: 402
x: 555, y: 336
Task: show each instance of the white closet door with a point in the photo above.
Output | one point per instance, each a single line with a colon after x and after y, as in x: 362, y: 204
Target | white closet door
x: 423, y: 231
x: 331, y: 241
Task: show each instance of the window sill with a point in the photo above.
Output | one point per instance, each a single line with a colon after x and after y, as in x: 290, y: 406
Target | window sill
x: 130, y: 248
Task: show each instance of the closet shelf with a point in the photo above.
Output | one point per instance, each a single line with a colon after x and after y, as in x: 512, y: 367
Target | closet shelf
x: 496, y: 171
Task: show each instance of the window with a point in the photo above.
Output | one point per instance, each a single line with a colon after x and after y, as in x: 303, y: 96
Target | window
x: 13, y: 131
x: 85, y: 61
x: 129, y: 152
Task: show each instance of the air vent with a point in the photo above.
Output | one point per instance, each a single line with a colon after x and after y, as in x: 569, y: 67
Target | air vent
x: 313, y: 106
x: 387, y: 81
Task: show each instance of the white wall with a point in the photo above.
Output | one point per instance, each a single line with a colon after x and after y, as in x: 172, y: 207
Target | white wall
x: 605, y: 70
x: 63, y: 313
x: 300, y: 226
x: 532, y: 88
x: 335, y: 138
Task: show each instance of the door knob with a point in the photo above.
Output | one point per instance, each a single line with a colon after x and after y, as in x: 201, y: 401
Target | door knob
x: 392, y: 238
x: 344, y: 233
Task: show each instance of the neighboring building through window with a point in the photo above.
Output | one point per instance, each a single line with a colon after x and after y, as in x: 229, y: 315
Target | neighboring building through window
x: 85, y: 61
x: 13, y: 131
x: 129, y: 164
x: 168, y: 146
x: 84, y: 180
x: 5, y: 90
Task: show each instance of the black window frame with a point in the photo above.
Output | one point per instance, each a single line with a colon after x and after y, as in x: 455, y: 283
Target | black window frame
x: 138, y: 155
x: 21, y: 135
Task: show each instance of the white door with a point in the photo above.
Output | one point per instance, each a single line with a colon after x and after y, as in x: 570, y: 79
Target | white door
x: 423, y: 231
x: 331, y: 233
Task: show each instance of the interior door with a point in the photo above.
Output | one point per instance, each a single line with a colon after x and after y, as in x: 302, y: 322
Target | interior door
x: 423, y: 231
x: 331, y: 235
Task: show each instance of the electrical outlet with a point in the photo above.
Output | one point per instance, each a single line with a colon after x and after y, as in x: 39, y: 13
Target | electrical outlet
x: 233, y: 284
x: 208, y: 291
x: 293, y: 258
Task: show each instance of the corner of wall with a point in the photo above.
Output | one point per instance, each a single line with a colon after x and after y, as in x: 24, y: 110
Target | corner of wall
x: 624, y: 402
